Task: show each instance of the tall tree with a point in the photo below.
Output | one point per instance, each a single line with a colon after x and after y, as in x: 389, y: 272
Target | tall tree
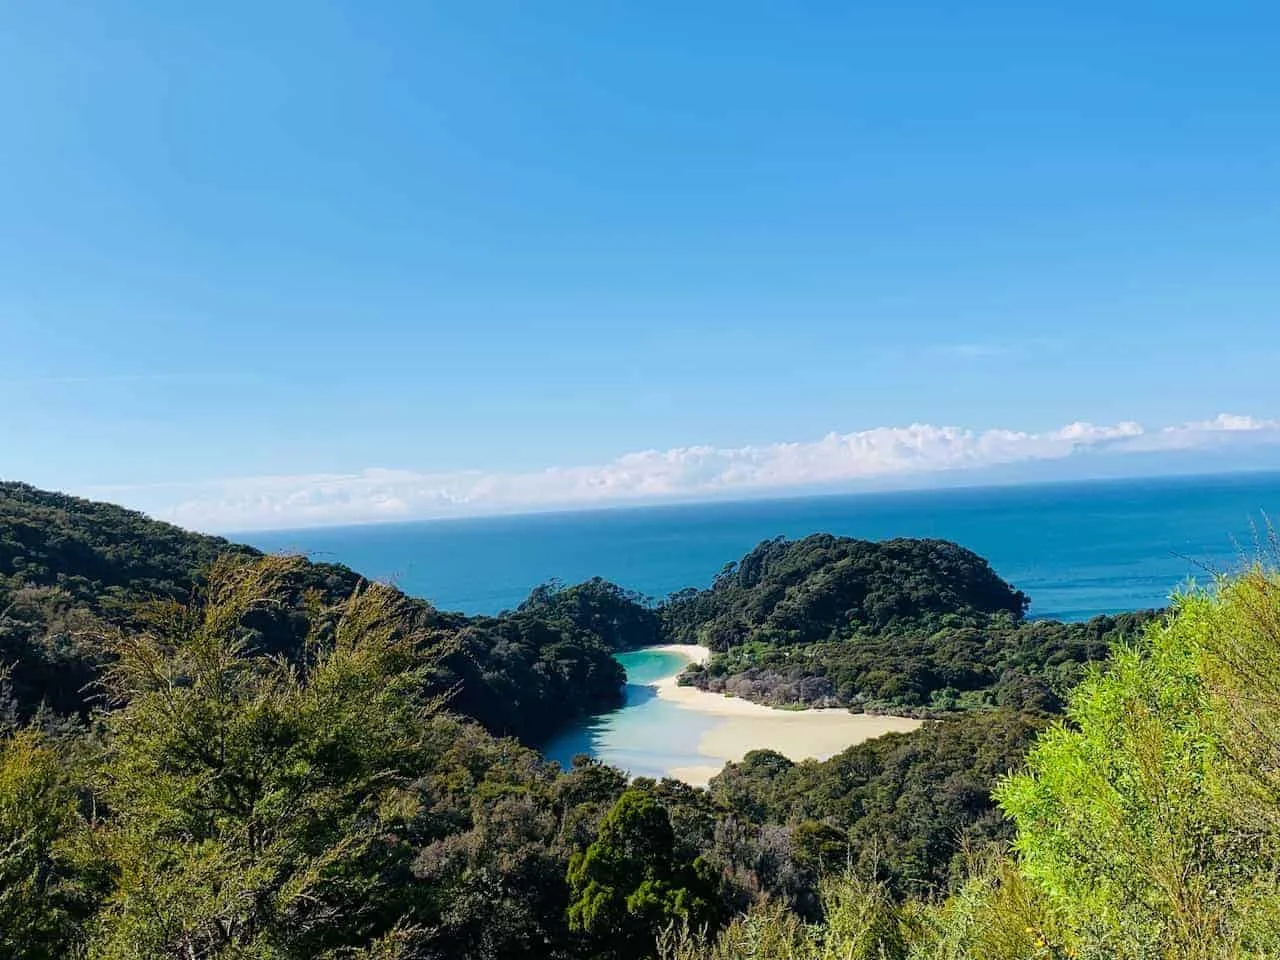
x: 628, y: 884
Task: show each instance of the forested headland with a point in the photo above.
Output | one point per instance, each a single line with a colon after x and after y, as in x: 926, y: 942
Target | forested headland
x: 207, y: 752
x: 913, y: 627
x: 71, y: 571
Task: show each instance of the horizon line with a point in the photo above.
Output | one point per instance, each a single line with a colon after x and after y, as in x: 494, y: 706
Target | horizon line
x: 776, y: 497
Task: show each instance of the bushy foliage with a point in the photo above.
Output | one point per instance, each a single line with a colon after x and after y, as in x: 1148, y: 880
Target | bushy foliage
x: 826, y: 587
x: 72, y: 572
x: 628, y: 884
x: 995, y: 915
x: 1024, y: 666
x: 860, y: 922
x: 51, y: 865
x: 1148, y: 820
x: 262, y: 809
x: 524, y: 676
x: 234, y: 802
x: 900, y: 808
x: 622, y: 619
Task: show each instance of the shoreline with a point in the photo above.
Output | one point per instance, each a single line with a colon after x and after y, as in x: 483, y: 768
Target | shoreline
x: 743, y: 726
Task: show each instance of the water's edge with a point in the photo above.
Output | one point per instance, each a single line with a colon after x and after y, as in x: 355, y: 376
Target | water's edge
x: 664, y: 730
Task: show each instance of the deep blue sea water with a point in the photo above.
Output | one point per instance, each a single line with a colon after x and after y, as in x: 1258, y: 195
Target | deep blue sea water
x: 1077, y: 549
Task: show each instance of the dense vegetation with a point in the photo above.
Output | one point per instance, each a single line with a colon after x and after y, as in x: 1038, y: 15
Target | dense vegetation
x: 274, y: 759
x: 826, y: 587
x: 72, y: 570
x: 903, y: 626
x: 901, y: 808
x: 1147, y: 825
x: 227, y: 801
x: 1024, y: 666
x: 623, y: 619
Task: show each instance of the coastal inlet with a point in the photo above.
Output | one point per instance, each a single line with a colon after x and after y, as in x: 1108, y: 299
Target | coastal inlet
x: 666, y: 730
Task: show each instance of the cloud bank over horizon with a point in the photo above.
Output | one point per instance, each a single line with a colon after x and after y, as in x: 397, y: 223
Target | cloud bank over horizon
x: 878, y: 458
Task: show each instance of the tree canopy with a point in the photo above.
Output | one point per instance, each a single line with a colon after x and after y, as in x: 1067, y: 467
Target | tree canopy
x: 627, y: 884
x: 72, y: 571
x: 623, y: 619
x: 825, y: 587
x: 1147, y: 822
x: 921, y: 627
x: 208, y: 753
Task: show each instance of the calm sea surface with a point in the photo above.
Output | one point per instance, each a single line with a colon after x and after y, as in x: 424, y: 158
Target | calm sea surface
x: 1077, y: 549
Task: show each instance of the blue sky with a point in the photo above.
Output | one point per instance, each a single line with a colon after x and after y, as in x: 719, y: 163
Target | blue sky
x: 312, y: 262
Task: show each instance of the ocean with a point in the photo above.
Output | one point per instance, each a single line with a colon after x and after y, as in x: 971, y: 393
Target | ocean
x: 1076, y: 549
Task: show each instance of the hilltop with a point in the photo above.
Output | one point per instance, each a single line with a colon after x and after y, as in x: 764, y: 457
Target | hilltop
x: 898, y: 626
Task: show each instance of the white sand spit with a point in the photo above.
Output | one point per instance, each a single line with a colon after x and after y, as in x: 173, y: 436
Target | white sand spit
x: 744, y: 726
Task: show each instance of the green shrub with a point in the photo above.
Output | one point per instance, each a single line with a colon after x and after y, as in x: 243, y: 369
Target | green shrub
x: 1144, y: 818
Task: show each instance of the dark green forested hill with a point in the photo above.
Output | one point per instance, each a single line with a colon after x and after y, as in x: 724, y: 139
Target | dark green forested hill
x: 906, y: 626
x: 71, y: 570
x: 624, y: 619
x: 824, y: 587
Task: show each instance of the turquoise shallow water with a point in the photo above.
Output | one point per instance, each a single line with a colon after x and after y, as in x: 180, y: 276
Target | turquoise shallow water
x: 1077, y: 549
x: 646, y: 736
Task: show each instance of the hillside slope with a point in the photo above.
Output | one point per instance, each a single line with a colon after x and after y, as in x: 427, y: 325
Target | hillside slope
x: 71, y: 570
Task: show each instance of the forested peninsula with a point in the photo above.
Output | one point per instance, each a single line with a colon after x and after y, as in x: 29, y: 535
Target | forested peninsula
x: 914, y: 627
x: 206, y: 752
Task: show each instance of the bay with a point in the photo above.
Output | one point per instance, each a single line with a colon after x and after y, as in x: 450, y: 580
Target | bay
x: 646, y: 736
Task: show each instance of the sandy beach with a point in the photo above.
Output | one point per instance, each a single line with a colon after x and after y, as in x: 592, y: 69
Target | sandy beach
x: 744, y: 726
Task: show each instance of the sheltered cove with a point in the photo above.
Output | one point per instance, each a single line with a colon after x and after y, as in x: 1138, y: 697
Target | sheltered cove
x: 743, y: 726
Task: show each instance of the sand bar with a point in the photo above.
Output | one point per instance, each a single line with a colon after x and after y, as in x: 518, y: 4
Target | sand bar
x: 744, y: 726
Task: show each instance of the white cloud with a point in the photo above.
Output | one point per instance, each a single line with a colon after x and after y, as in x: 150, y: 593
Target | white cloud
x: 1227, y: 423
x: 877, y: 456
